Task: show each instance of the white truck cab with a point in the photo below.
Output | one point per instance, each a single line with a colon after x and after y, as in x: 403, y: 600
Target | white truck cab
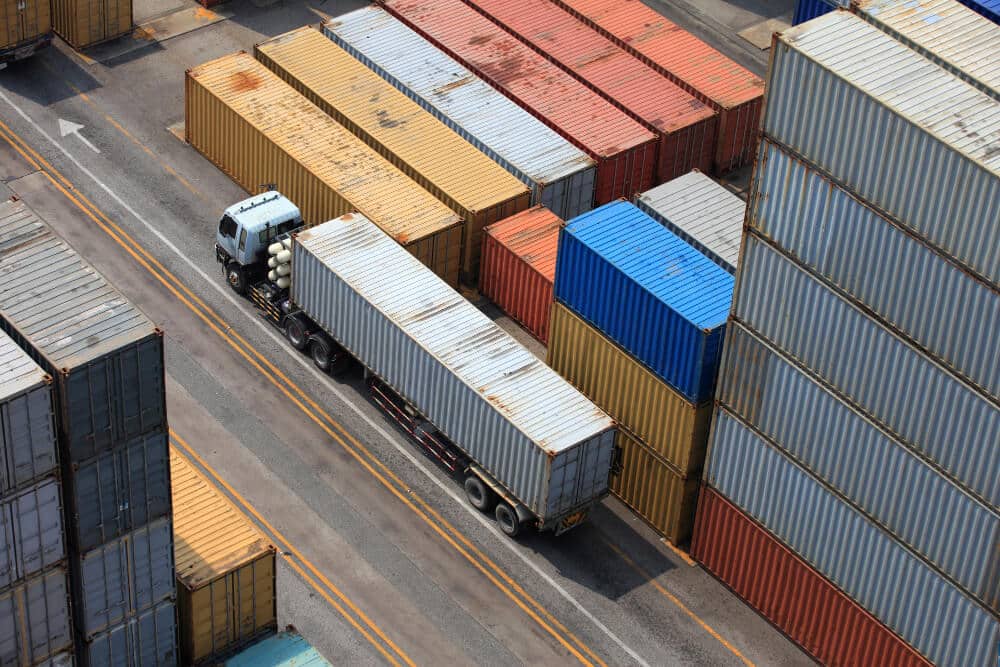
x: 245, y: 232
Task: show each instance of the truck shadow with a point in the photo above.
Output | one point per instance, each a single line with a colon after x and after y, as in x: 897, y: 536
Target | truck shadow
x: 42, y: 78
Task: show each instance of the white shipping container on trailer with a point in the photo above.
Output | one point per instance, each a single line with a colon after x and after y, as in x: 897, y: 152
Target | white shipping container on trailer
x: 529, y: 429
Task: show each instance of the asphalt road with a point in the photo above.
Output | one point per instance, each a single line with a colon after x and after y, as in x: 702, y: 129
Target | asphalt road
x: 382, y: 561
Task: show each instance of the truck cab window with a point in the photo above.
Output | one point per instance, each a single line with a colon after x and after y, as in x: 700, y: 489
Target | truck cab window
x: 243, y: 239
x: 227, y: 227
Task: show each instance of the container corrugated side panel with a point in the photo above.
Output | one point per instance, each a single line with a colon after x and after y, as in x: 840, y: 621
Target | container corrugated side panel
x: 23, y: 20
x: 106, y: 356
x: 937, y: 173
x: 880, y: 476
x: 625, y: 151
x: 886, y: 378
x: 84, y: 23
x: 31, y: 532
x: 914, y: 289
x: 649, y: 291
x: 118, y: 491
x: 258, y: 129
x: 122, y: 578
x: 686, y: 127
x: 35, y: 619
x: 702, y: 212
x: 905, y: 593
x: 27, y: 419
x: 398, y: 129
x: 560, y: 175
x: 148, y: 639
x: 638, y: 400
x: 494, y: 399
x: 958, y: 39
x: 655, y: 491
x: 782, y: 587
x: 734, y: 92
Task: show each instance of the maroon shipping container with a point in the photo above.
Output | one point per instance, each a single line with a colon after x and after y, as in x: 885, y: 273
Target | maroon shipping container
x: 785, y: 590
x: 685, y: 125
x: 519, y: 267
x: 625, y: 151
x: 734, y: 92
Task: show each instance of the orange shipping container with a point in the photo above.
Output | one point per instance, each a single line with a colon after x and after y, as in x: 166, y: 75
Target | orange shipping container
x: 22, y: 21
x: 519, y: 267
x: 84, y: 23
x: 258, y: 129
x: 424, y: 148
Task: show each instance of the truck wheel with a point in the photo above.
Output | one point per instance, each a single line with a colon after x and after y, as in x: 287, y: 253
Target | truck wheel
x: 295, y: 332
x: 321, y: 355
x: 480, y: 496
x: 236, y: 278
x: 507, y: 519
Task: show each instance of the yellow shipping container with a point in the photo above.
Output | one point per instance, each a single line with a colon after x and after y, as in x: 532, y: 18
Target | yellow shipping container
x: 655, y: 490
x: 621, y: 386
x: 84, y: 23
x: 23, y: 20
x: 258, y: 129
x: 225, y: 569
x: 400, y: 130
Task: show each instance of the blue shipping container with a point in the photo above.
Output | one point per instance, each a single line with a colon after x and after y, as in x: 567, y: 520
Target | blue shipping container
x: 988, y: 8
x: 806, y: 10
x: 648, y: 290
x: 286, y: 649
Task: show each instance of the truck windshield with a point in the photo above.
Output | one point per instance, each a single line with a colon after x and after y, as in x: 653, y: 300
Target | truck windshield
x: 269, y: 233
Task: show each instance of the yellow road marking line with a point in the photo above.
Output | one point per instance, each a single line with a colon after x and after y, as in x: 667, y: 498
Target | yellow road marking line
x: 678, y: 552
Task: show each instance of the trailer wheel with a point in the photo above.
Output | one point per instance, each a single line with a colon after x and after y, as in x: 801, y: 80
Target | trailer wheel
x: 507, y: 519
x: 322, y: 357
x: 295, y: 332
x: 480, y: 496
x: 236, y: 278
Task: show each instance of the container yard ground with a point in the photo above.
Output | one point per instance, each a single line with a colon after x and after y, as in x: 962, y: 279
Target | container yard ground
x: 446, y: 590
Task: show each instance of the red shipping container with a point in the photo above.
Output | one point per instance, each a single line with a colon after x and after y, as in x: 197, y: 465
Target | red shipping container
x: 519, y: 267
x: 624, y: 150
x: 732, y: 91
x: 785, y: 590
x: 686, y: 126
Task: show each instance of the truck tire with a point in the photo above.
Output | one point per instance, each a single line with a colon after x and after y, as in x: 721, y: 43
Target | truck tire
x: 296, y: 334
x: 507, y: 519
x: 236, y: 278
x: 480, y: 496
x: 321, y: 354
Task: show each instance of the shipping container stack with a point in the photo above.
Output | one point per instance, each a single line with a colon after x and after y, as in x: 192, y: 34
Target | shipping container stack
x: 851, y: 489
x: 637, y: 326
x: 35, y: 625
x: 106, y: 361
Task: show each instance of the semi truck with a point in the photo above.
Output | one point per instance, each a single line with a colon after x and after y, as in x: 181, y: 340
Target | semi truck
x: 526, y: 445
x: 25, y: 27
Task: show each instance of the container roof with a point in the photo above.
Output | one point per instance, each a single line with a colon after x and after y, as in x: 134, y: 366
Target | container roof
x: 532, y: 235
x: 18, y: 372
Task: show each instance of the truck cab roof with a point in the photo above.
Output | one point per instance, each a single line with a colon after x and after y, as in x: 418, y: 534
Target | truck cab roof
x: 268, y: 208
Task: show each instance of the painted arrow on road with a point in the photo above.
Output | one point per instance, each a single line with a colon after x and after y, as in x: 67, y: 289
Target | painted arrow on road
x: 66, y: 128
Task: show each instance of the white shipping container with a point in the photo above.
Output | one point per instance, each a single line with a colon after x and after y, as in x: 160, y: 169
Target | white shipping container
x: 702, y: 212
x: 885, y: 377
x: 531, y: 430
x: 890, y: 125
x: 561, y: 176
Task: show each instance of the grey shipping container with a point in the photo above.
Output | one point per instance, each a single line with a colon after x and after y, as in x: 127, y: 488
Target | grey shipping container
x: 560, y: 175
x: 888, y: 379
x: 118, y: 491
x: 106, y: 356
x: 27, y: 422
x: 700, y: 211
x: 35, y: 620
x: 147, y: 640
x: 910, y: 286
x: 864, y: 561
x: 31, y: 532
x: 535, y: 434
x: 885, y: 134
x: 122, y: 578
x: 880, y: 476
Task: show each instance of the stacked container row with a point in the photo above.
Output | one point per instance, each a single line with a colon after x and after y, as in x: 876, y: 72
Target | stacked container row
x: 685, y: 126
x: 398, y: 129
x: 858, y: 409
x: 625, y: 151
x: 560, y: 175
x: 106, y: 359
x: 637, y: 326
x: 84, y: 23
x: 734, y: 93
x: 258, y: 129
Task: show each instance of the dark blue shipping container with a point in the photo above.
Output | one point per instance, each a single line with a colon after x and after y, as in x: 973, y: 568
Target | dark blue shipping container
x: 988, y: 8
x: 649, y: 291
x: 806, y: 10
